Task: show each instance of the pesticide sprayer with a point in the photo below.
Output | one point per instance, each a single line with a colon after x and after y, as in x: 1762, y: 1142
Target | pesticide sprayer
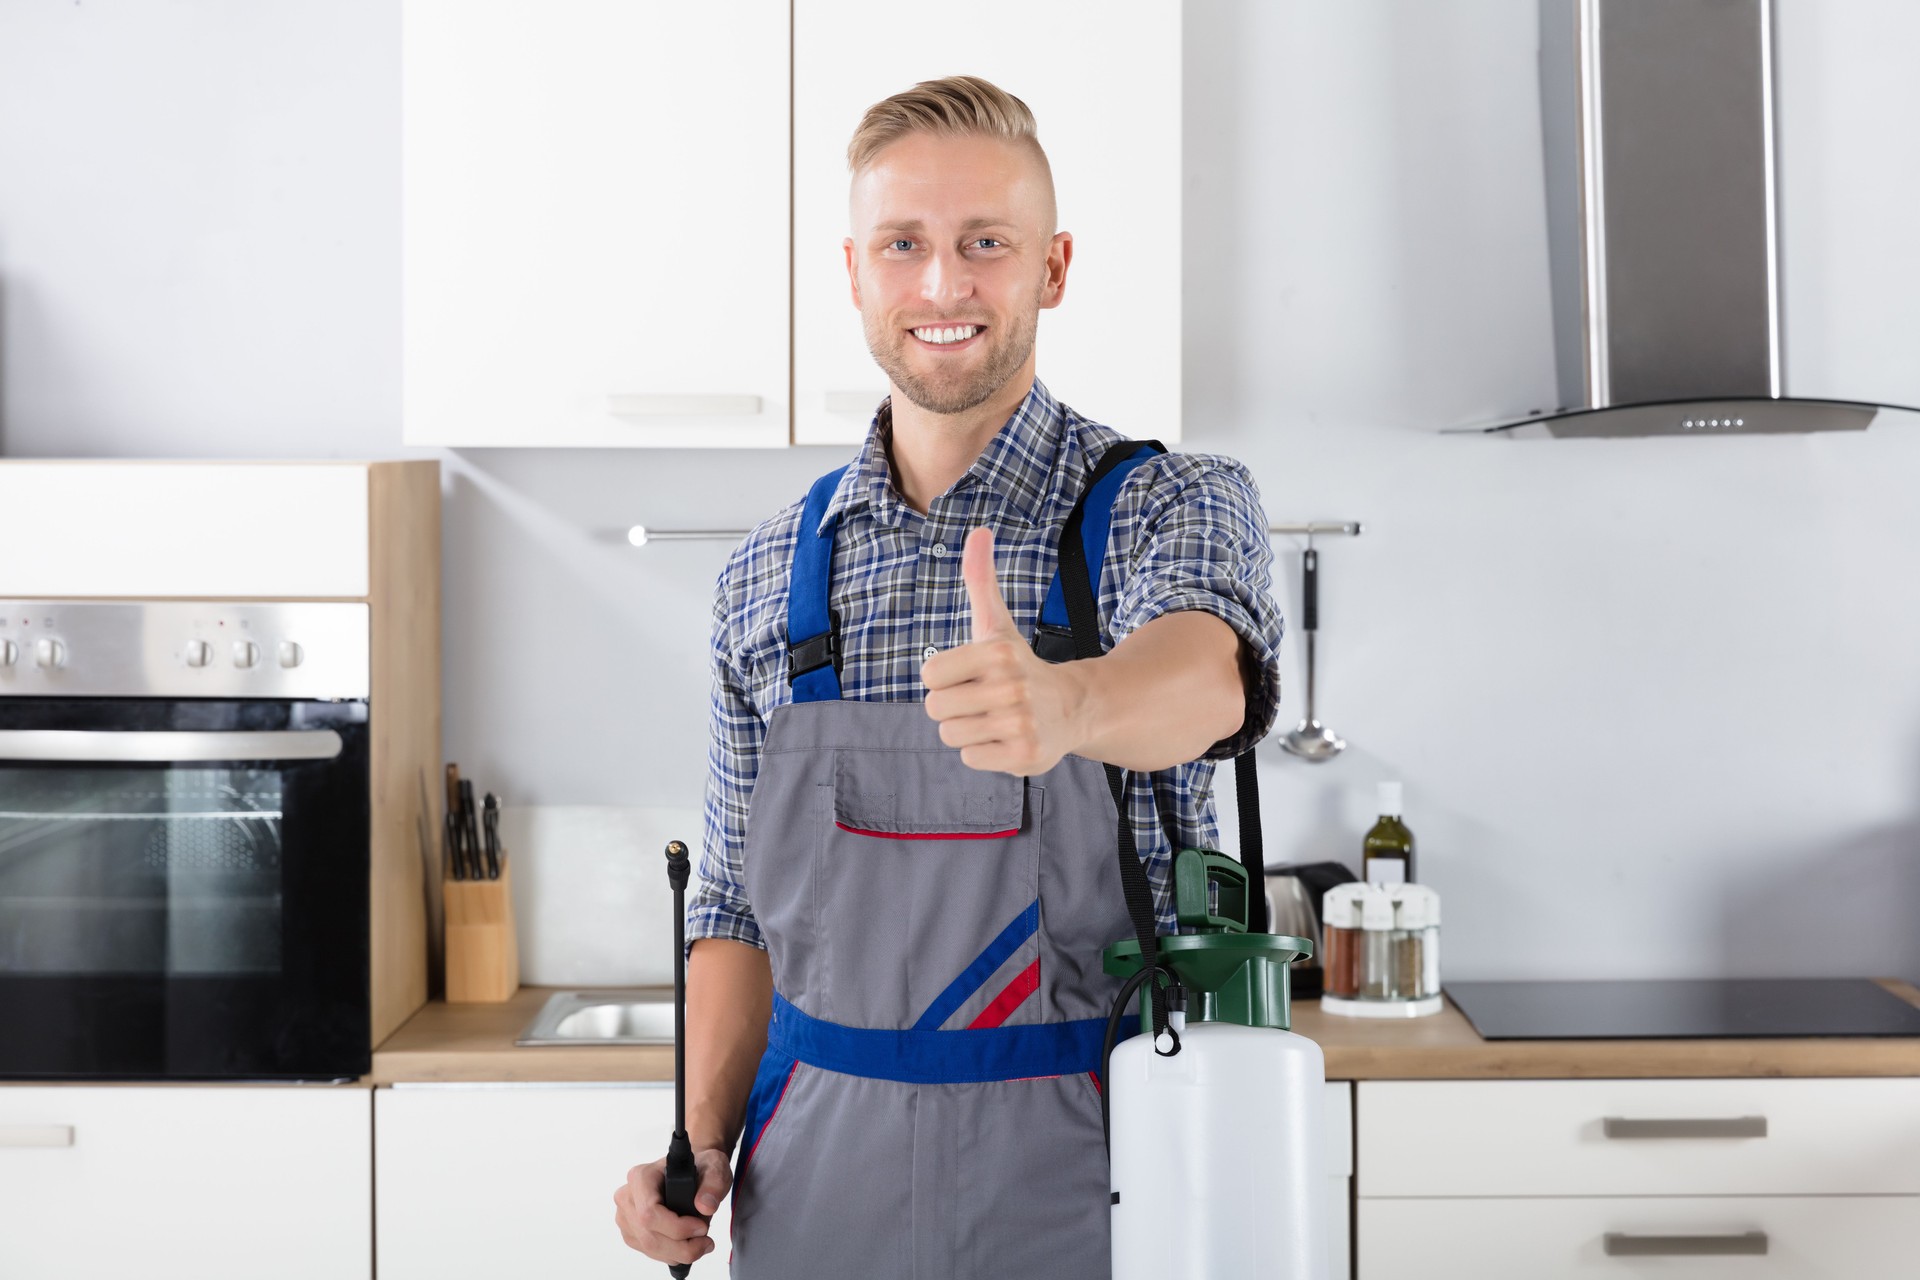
x: 1214, y: 1125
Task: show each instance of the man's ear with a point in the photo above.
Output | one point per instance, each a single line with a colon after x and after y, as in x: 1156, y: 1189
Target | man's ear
x: 853, y: 272
x: 1059, y: 257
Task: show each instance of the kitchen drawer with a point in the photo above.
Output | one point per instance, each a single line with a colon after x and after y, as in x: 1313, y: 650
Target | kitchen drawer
x: 1549, y: 1137
x: 186, y: 1183
x: 1806, y: 1238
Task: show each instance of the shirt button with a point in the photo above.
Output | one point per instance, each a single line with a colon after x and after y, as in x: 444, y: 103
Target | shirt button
x: 939, y: 551
x: 926, y: 654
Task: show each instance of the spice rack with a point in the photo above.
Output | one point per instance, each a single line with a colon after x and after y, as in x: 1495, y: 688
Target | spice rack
x: 1381, y: 956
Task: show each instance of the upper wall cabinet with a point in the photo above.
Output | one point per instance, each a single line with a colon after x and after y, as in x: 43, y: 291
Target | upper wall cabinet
x: 595, y: 222
x: 602, y: 246
x: 1104, y: 84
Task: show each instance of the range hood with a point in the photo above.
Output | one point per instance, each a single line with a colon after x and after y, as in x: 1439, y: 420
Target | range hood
x: 1658, y: 129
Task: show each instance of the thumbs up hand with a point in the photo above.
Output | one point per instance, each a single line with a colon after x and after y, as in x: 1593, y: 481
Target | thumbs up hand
x: 994, y: 698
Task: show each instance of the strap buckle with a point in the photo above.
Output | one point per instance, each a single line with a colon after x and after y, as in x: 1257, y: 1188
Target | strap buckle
x: 814, y: 652
x: 1053, y: 644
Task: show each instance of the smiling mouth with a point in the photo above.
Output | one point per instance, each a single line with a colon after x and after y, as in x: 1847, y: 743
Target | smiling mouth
x: 948, y: 335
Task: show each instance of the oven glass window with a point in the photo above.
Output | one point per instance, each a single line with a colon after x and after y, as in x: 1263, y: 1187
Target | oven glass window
x: 172, y: 870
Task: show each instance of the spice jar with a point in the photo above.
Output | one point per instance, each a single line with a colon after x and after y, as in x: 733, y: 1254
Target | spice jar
x: 1340, y: 940
x: 1382, y: 951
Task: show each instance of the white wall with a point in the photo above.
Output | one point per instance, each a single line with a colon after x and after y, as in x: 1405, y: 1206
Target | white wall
x: 1656, y: 702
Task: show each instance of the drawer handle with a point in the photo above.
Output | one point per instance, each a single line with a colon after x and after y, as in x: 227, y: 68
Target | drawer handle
x: 1747, y: 1244
x: 862, y: 402
x: 36, y: 1135
x: 670, y: 406
x: 1731, y: 1127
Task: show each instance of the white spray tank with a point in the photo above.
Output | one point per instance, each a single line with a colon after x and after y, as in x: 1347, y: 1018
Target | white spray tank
x: 1217, y: 1154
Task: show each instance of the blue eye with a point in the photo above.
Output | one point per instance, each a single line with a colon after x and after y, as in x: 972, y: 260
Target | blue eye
x: 987, y: 242
x: 901, y: 245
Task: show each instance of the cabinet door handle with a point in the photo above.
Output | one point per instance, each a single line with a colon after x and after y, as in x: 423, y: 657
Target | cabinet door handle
x: 36, y: 1135
x: 1618, y: 1244
x: 669, y: 406
x: 167, y: 746
x: 1729, y: 1127
x: 853, y: 401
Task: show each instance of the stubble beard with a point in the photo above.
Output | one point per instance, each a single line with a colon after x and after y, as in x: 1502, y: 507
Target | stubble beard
x: 1007, y: 351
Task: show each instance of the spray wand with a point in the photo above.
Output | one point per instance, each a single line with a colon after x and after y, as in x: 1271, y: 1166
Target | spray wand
x: 682, y: 1175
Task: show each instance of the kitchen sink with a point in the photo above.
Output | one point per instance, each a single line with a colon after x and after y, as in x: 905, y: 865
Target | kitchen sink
x: 602, y: 1017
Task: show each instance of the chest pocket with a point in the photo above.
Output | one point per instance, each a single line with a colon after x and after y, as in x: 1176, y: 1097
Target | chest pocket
x: 920, y: 863
x: 945, y: 799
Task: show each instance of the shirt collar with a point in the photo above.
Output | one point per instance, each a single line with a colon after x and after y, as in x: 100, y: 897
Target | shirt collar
x: 1018, y: 464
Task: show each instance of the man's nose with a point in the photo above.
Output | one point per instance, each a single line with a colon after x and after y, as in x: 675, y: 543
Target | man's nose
x: 948, y: 278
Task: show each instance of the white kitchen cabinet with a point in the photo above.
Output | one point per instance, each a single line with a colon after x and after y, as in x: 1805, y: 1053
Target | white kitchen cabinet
x: 211, y: 530
x: 1339, y: 1131
x: 1104, y: 84
x: 595, y: 222
x: 511, y: 1180
x: 216, y: 1183
x: 1532, y: 1177
x: 601, y: 245
x: 1763, y: 1237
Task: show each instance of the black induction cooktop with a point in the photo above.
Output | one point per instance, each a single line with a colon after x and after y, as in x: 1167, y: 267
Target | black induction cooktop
x: 1684, y: 1009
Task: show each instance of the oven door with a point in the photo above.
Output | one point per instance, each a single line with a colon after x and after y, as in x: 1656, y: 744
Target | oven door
x: 183, y: 889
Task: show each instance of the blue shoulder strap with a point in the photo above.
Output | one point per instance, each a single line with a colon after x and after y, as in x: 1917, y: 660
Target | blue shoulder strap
x: 1097, y: 521
x: 813, y: 634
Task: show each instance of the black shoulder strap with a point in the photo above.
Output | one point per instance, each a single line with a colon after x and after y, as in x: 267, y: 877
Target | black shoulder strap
x: 1083, y: 614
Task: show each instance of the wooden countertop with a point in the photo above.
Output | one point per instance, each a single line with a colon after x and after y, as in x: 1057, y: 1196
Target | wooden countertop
x: 472, y: 1043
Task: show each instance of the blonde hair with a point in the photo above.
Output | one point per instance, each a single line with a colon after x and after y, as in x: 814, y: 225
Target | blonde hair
x: 952, y: 107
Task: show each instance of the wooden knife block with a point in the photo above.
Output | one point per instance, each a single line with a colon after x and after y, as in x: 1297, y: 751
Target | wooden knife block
x: 483, y: 955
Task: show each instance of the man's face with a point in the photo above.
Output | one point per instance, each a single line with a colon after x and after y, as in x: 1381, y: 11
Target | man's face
x: 953, y: 254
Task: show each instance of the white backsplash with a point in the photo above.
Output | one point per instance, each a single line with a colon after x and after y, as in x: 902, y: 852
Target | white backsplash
x: 590, y: 892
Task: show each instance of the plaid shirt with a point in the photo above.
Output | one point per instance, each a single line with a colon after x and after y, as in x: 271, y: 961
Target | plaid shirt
x: 1188, y: 533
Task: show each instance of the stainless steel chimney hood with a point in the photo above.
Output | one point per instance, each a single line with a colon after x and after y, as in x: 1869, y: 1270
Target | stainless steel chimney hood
x: 1658, y: 129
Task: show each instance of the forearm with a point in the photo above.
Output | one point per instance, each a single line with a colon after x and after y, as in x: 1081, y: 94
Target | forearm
x: 1163, y: 695
x: 729, y: 999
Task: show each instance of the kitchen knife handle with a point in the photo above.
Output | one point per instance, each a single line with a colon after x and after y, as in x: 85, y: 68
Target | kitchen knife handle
x: 1730, y: 1127
x: 1618, y: 1244
x: 1310, y: 590
x: 456, y: 865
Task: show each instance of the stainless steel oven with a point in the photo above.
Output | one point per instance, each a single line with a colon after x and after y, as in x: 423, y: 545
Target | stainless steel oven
x: 184, y: 840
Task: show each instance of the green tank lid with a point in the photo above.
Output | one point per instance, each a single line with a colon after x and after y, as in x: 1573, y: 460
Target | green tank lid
x: 1240, y: 977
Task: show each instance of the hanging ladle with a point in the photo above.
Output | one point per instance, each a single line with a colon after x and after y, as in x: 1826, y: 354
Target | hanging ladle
x: 1311, y: 740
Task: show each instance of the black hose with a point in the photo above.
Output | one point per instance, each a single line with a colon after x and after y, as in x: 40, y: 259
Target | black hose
x: 1119, y: 1011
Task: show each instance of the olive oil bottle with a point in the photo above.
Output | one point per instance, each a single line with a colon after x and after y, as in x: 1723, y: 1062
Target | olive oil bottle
x: 1387, y: 856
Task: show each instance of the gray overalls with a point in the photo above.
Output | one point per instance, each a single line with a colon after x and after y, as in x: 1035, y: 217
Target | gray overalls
x: 928, y: 1107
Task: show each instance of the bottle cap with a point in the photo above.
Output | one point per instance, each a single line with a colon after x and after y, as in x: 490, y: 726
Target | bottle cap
x: 1415, y: 906
x: 1340, y: 908
x: 1391, y: 799
x: 1376, y: 910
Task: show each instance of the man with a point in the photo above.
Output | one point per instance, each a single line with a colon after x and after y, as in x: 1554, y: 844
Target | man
x: 896, y: 966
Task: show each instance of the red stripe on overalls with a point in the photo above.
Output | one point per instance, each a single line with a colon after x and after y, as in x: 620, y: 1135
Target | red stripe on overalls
x: 929, y: 835
x: 1010, y: 997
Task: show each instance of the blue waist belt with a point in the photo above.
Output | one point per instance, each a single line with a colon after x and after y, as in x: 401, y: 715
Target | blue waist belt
x: 941, y: 1057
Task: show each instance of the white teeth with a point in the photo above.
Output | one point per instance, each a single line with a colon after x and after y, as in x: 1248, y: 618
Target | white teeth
x: 942, y: 336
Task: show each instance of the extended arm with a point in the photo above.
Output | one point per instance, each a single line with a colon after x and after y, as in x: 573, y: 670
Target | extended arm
x: 1165, y: 694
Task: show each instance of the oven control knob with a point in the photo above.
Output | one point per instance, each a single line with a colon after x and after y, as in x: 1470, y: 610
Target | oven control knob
x: 198, y: 653
x: 291, y: 654
x: 245, y: 653
x: 9, y: 653
x: 49, y: 653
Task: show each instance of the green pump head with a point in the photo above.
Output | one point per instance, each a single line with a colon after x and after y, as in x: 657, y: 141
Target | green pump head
x: 1241, y: 977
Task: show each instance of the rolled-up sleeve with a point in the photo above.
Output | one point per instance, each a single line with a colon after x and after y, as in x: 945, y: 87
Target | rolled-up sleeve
x: 1191, y: 530
x: 719, y: 907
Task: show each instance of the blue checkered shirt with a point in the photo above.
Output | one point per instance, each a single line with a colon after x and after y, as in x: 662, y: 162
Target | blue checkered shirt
x: 1188, y: 533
